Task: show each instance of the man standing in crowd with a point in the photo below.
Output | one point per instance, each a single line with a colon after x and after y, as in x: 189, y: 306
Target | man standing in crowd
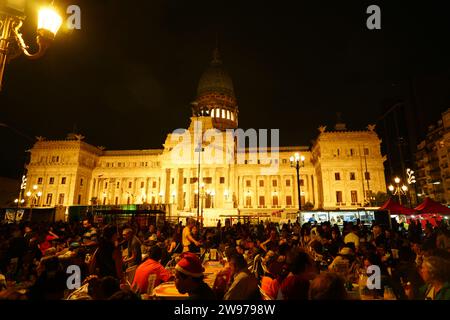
x: 134, y: 255
x: 187, y: 238
x: 90, y: 234
x: 353, y: 236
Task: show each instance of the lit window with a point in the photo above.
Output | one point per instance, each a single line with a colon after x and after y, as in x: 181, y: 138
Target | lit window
x: 49, y: 199
x: 223, y: 113
x: 232, y: 116
x: 288, y: 200
x: 338, y: 196
x: 261, y: 201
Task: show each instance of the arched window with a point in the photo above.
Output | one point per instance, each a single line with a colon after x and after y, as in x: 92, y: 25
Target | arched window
x: 232, y: 116
x: 228, y: 115
x: 223, y: 113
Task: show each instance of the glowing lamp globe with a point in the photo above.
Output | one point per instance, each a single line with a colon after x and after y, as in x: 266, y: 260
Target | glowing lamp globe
x: 49, y: 22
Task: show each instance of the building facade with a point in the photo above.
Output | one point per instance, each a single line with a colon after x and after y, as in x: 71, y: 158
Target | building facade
x: 208, y: 169
x: 432, y: 157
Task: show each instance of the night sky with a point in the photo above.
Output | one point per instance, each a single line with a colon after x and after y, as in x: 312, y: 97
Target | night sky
x: 126, y: 79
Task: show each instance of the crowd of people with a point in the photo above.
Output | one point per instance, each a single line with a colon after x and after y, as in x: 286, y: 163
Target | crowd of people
x: 313, y: 261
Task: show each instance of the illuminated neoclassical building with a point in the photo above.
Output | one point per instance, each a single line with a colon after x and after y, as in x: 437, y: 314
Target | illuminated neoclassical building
x: 341, y: 170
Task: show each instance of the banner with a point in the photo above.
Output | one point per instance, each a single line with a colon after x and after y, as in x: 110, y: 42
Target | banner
x: 14, y: 215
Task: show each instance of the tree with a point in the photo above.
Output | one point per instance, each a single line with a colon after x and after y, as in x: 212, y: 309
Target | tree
x: 381, y: 198
x: 308, y: 206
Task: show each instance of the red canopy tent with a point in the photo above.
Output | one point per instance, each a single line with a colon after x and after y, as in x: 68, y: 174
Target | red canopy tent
x: 396, y: 209
x: 432, y: 211
x: 429, y: 206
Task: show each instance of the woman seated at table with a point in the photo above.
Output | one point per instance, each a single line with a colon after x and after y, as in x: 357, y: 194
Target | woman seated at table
x: 435, y: 273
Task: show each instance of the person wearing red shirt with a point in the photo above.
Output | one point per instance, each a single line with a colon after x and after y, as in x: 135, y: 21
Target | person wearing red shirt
x: 148, y: 267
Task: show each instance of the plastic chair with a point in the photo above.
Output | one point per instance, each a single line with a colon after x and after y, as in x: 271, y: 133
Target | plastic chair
x: 129, y: 275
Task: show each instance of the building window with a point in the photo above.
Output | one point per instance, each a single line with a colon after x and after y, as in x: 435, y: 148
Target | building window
x: 106, y: 185
x: 173, y: 180
x: 154, y: 184
x: 337, y: 176
x: 49, y: 199
x: 222, y: 180
x: 248, y: 183
x: 339, y: 196
x: 338, y: 152
x: 366, y: 151
x: 275, y: 200
x: 261, y: 183
x: 63, y: 180
x: 39, y: 181
x: 261, y: 201
x: 142, y: 184
x: 284, y: 161
x: 116, y: 201
x: 248, y: 201
x: 79, y: 199
x: 118, y: 185
x: 130, y: 184
x: 52, y: 180
x: 367, y: 175
x: 232, y: 116
x: 354, y: 195
x: 207, y: 180
x: 61, y: 199
x: 81, y: 182
x: 352, y: 152
x: 194, y: 180
x: 223, y: 113
x: 302, y: 182
x: 352, y: 176
x: 274, y: 183
x: 184, y: 180
x: 288, y: 183
x: 288, y: 200
x: 104, y: 200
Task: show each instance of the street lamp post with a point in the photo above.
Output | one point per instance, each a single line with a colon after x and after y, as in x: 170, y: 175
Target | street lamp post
x: 12, y: 45
x: 397, y: 189
x: 297, y: 162
x: 33, y: 196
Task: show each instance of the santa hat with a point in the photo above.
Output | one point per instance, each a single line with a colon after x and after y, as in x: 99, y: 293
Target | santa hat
x: 190, y: 265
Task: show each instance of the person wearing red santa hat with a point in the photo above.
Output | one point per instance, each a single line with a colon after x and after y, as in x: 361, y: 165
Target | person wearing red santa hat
x: 189, y: 278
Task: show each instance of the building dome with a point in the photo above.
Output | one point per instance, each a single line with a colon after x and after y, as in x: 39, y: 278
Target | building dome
x: 215, y: 80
